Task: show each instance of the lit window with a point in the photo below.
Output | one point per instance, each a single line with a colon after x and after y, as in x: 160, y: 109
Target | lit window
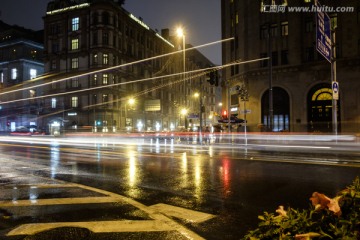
x: 105, y: 98
x: 32, y: 93
x: 105, y: 79
x: 74, y: 63
x: 13, y: 73
x: 74, y: 102
x: 105, y: 58
x: 1, y: 77
x: 75, y: 44
x: 53, y: 103
x: 95, y: 79
x: 75, y: 24
x: 33, y: 73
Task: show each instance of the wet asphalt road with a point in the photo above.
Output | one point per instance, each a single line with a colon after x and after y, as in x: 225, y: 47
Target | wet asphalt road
x: 232, y: 183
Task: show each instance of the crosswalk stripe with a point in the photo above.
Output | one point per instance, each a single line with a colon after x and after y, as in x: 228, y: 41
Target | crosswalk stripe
x: 95, y: 227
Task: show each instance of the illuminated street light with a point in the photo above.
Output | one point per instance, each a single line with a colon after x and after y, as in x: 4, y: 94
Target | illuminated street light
x: 183, y: 112
x: 130, y: 101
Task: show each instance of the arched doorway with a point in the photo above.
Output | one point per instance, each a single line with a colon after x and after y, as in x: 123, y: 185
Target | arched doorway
x: 320, y: 108
x: 281, y: 110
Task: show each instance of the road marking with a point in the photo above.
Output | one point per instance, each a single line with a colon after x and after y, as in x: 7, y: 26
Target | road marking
x: 57, y: 201
x: 96, y: 227
x: 161, y: 222
x: 186, y: 214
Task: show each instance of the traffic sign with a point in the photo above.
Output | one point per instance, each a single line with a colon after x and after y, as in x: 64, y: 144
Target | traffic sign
x: 335, y: 89
x: 323, y: 33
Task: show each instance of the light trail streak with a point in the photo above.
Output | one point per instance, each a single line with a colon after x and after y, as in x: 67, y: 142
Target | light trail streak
x: 202, y: 71
x: 118, y: 66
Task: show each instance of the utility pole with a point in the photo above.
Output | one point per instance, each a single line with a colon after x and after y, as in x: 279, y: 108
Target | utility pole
x: 271, y: 105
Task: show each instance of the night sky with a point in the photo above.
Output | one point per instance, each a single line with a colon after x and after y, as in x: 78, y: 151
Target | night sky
x: 200, y: 18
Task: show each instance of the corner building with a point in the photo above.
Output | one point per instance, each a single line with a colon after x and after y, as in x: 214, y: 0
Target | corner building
x: 301, y: 77
x: 87, y: 44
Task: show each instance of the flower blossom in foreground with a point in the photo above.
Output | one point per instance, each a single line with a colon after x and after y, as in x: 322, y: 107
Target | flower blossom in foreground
x: 321, y: 201
x: 281, y: 211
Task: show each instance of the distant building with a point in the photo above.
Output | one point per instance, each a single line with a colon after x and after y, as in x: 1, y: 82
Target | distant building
x: 95, y: 52
x: 21, y: 59
x: 301, y: 77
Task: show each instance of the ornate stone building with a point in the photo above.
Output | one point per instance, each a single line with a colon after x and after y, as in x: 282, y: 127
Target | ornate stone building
x: 100, y: 56
x: 301, y: 78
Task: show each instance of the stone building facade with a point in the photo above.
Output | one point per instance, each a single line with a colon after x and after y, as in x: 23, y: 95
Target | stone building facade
x: 100, y: 56
x: 301, y: 78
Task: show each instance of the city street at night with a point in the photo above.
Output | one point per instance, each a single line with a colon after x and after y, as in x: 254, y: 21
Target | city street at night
x: 126, y: 188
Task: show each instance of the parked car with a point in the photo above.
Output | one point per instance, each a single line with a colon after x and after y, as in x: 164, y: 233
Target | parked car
x: 25, y: 131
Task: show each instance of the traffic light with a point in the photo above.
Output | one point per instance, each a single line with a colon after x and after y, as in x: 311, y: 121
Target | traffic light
x: 224, y: 114
x: 211, y: 77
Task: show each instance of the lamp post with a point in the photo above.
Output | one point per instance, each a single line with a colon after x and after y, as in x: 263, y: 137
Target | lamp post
x: 130, y: 101
x: 181, y: 34
x: 183, y: 112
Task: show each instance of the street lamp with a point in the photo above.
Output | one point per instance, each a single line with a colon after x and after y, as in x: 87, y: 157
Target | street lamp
x: 181, y: 34
x: 183, y: 112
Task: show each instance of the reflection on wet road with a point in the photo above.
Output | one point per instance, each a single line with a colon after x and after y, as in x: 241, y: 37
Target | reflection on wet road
x: 232, y: 181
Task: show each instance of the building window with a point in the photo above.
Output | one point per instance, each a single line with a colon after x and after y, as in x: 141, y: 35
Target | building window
x: 284, y: 28
x: 334, y: 21
x: 106, y: 18
x: 95, y: 59
x: 33, y: 73
x: 95, y: 38
x: 105, y: 59
x: 263, y: 32
x: 95, y: 79
x: 14, y: 73
x: 33, y: 54
x: 273, y: 30
x: 75, y: 44
x: 1, y: 77
x: 309, y: 25
x: 274, y: 58
x: 55, y: 47
x: 53, y: 103
x: 74, y: 102
x: 95, y: 18
x: 75, y: 24
x: 75, y: 82
x: 105, y: 39
x: 284, y: 57
x: 263, y: 63
x: 94, y: 101
x: 281, y: 110
x: 309, y: 54
x: 105, y: 98
x: 53, y: 64
x: 74, y: 63
x: 105, y: 79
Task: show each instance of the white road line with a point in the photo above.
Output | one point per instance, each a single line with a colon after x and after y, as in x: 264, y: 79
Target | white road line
x: 96, y: 227
x: 57, y: 201
x: 186, y: 214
